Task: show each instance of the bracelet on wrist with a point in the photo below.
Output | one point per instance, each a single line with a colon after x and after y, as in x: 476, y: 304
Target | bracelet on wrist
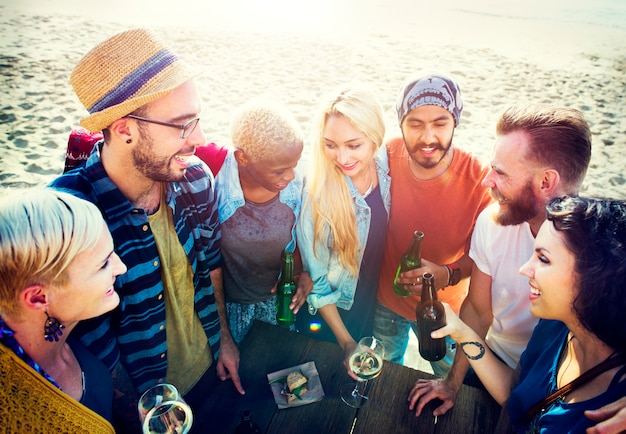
x: 478, y: 345
x: 449, y: 275
x: 454, y: 274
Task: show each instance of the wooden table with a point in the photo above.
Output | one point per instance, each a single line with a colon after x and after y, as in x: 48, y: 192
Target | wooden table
x: 269, y: 348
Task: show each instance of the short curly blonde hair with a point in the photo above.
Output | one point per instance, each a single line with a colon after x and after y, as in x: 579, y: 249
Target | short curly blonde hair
x: 264, y: 128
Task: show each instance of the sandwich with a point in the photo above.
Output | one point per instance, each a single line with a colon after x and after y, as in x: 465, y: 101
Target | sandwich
x: 297, y: 385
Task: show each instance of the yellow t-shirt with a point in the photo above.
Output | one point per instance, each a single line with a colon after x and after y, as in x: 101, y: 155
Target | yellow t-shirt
x: 188, y: 352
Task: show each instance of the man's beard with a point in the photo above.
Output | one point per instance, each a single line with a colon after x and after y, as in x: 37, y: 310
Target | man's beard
x: 151, y: 165
x: 430, y: 163
x: 519, y: 209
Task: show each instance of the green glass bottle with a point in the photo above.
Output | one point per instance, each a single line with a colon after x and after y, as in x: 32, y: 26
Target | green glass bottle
x: 285, y: 290
x: 409, y: 261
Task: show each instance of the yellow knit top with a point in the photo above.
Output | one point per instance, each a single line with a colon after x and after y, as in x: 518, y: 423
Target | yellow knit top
x: 31, y: 404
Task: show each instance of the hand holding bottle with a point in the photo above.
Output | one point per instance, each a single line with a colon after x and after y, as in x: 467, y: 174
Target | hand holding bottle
x: 285, y: 291
x: 412, y: 279
x: 410, y: 260
x: 304, y: 285
x: 455, y: 328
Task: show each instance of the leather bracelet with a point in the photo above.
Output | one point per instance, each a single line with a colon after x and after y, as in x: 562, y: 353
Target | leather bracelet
x: 454, y: 274
x: 480, y: 346
x: 449, y: 274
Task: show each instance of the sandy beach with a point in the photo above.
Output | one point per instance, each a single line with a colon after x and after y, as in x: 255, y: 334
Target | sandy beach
x: 297, y: 51
x: 497, y: 60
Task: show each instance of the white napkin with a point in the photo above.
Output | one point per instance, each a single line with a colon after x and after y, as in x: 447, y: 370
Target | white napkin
x: 314, y: 394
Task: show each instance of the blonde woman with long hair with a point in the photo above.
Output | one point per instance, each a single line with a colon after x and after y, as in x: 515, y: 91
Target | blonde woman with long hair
x: 345, y: 211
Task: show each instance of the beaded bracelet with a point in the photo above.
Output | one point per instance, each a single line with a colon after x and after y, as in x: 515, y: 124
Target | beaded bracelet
x: 480, y: 346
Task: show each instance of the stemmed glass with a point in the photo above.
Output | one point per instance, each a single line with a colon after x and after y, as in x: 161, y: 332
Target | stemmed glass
x: 163, y: 410
x: 366, y: 361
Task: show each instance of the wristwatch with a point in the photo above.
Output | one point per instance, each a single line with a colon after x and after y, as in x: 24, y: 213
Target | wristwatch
x: 454, y: 273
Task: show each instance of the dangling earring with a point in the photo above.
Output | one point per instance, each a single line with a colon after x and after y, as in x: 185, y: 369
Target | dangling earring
x: 129, y: 141
x: 52, y: 329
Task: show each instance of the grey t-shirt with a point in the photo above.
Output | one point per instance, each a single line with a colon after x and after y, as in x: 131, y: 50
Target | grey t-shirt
x: 253, y: 239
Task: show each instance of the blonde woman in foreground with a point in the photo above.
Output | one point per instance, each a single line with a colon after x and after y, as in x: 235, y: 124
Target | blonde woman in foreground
x: 57, y: 267
x: 345, y: 211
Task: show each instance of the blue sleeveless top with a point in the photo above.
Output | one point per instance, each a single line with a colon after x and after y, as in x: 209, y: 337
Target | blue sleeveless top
x: 538, y: 378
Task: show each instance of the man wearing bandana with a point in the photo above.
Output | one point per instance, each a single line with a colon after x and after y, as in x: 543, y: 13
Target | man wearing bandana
x: 435, y: 188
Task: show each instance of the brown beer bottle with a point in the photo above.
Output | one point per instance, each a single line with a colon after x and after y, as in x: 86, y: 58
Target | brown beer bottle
x: 411, y: 260
x: 430, y: 316
x: 285, y: 290
x: 247, y: 425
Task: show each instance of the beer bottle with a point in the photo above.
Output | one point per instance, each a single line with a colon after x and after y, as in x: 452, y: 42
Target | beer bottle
x: 430, y: 316
x: 285, y: 290
x: 409, y: 261
x: 247, y: 425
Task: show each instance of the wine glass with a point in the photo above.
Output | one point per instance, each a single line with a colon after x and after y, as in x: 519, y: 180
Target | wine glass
x: 163, y: 410
x: 366, y: 361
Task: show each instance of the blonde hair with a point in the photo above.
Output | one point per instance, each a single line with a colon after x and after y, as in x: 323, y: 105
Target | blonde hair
x: 263, y: 129
x: 332, y: 208
x: 41, y: 233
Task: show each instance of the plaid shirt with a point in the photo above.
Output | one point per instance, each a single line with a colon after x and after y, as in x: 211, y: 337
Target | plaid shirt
x: 136, y: 331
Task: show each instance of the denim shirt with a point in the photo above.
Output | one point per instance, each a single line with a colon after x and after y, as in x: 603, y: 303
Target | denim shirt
x: 333, y: 284
x: 230, y: 195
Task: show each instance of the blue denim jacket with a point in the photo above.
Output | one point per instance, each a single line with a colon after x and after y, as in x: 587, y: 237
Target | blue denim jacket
x: 332, y: 284
x: 230, y: 195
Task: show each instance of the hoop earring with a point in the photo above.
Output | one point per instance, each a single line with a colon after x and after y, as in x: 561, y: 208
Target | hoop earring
x: 129, y: 141
x: 52, y: 329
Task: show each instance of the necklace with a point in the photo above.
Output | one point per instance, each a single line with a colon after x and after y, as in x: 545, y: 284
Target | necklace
x: 371, y: 187
x: 563, y: 356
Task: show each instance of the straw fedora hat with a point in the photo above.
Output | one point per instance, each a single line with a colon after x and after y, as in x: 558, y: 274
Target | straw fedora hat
x: 123, y: 73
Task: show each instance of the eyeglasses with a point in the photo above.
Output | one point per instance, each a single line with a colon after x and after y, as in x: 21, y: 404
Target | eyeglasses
x: 185, y: 129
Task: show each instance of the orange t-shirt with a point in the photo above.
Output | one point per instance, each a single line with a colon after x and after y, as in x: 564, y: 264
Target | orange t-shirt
x: 444, y: 208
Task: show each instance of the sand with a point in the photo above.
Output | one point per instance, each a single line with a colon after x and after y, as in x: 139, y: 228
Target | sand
x: 497, y: 61
x: 296, y: 56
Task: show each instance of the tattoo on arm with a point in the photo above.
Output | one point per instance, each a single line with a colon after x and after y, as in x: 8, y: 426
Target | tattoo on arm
x: 473, y: 355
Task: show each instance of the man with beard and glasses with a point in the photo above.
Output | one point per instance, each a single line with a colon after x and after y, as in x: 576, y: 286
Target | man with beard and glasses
x: 541, y: 152
x: 435, y: 188
x: 159, y: 202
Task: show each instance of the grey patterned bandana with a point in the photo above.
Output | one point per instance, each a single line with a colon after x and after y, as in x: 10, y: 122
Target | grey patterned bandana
x: 430, y: 89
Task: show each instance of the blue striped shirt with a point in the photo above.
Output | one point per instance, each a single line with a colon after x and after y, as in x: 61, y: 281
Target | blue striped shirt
x: 135, y: 333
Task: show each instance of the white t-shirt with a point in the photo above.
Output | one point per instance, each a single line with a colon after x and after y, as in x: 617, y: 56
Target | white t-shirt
x: 500, y: 251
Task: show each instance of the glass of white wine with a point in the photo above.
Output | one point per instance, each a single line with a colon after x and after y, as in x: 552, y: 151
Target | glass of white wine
x: 366, y: 361
x: 163, y: 410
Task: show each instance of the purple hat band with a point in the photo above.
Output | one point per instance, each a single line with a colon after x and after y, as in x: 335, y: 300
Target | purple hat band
x: 430, y: 90
x: 135, y: 80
